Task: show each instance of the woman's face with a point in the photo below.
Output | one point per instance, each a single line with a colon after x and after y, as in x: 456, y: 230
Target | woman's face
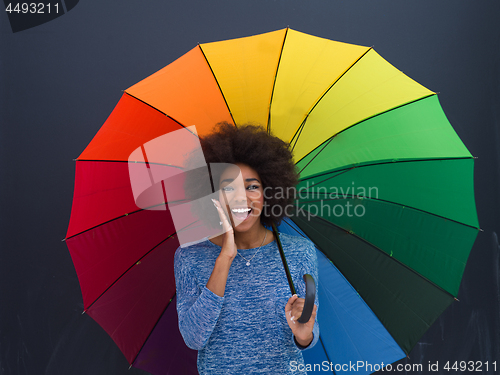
x: 241, y: 189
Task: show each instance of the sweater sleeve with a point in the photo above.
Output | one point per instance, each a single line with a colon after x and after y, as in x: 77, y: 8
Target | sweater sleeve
x: 310, y: 266
x: 198, y: 310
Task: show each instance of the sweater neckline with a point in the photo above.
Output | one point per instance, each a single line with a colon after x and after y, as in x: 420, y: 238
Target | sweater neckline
x: 252, y: 248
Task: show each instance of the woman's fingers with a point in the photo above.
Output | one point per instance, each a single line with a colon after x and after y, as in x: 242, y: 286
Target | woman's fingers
x: 297, y: 309
x: 294, y: 307
x: 222, y: 216
x: 289, y: 304
x: 228, y: 245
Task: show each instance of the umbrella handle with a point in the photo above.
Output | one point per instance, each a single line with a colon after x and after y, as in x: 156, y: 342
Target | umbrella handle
x: 310, y: 297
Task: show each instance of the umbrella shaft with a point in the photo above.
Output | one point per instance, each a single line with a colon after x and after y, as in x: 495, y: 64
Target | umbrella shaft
x: 283, y: 259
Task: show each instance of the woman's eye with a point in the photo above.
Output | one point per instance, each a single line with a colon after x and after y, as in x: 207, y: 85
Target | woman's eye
x: 252, y: 187
x: 227, y: 188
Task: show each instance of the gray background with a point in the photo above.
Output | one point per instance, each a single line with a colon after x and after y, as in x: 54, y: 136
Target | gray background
x: 59, y: 82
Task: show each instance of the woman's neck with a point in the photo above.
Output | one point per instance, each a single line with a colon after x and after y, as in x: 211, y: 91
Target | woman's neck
x: 251, y: 238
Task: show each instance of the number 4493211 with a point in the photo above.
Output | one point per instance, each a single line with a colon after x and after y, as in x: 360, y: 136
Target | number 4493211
x: 470, y: 366
x: 32, y: 8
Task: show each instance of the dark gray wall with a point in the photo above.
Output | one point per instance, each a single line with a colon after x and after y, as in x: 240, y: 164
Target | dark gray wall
x: 60, y: 80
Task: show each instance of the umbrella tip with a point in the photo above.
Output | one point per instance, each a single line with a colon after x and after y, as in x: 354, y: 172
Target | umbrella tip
x: 63, y: 240
x: 456, y: 299
x: 83, y: 312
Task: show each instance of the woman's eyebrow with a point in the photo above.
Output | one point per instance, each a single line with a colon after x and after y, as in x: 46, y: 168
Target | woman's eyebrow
x: 229, y: 180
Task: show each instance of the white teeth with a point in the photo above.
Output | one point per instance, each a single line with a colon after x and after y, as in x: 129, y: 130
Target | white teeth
x: 240, y: 210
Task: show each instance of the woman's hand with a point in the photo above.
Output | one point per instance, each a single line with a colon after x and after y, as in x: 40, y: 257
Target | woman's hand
x: 302, y: 331
x: 217, y: 281
x: 229, y: 249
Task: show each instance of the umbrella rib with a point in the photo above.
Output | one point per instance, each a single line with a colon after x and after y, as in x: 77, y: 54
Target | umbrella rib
x: 336, y: 313
x: 385, y: 254
x: 294, y: 229
x: 388, y: 161
x: 326, y: 353
x: 128, y: 269
x: 338, y: 173
x: 211, y: 178
x: 156, y: 109
x: 121, y: 216
x: 319, y: 152
x: 353, y: 196
x: 302, y: 235
x: 397, y: 261
x: 323, y: 95
x: 357, y: 123
x: 218, y: 85
x: 274, y: 83
x: 296, y: 136
x: 101, y: 224
x: 320, y: 338
x: 135, y: 263
x: 152, y: 329
x: 129, y: 213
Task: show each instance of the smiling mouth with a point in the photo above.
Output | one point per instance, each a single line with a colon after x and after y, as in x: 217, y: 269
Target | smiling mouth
x: 241, y: 213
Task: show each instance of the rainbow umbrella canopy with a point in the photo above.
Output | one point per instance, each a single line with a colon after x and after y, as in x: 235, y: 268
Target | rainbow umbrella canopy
x: 385, y: 193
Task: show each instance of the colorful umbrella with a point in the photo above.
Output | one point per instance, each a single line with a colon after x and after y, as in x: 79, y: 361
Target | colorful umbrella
x: 386, y: 194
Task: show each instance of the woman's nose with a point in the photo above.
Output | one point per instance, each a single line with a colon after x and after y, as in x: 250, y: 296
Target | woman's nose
x: 240, y: 195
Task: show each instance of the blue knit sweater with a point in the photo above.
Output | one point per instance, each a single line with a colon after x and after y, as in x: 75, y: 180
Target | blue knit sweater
x: 244, y: 332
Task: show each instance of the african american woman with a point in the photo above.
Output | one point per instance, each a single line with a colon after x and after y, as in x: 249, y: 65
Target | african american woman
x: 233, y: 297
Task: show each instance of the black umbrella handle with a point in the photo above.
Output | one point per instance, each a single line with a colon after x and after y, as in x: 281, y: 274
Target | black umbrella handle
x: 310, y: 297
x: 309, y: 280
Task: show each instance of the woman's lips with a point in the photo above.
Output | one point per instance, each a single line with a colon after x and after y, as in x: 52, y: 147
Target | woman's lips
x: 241, y: 213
